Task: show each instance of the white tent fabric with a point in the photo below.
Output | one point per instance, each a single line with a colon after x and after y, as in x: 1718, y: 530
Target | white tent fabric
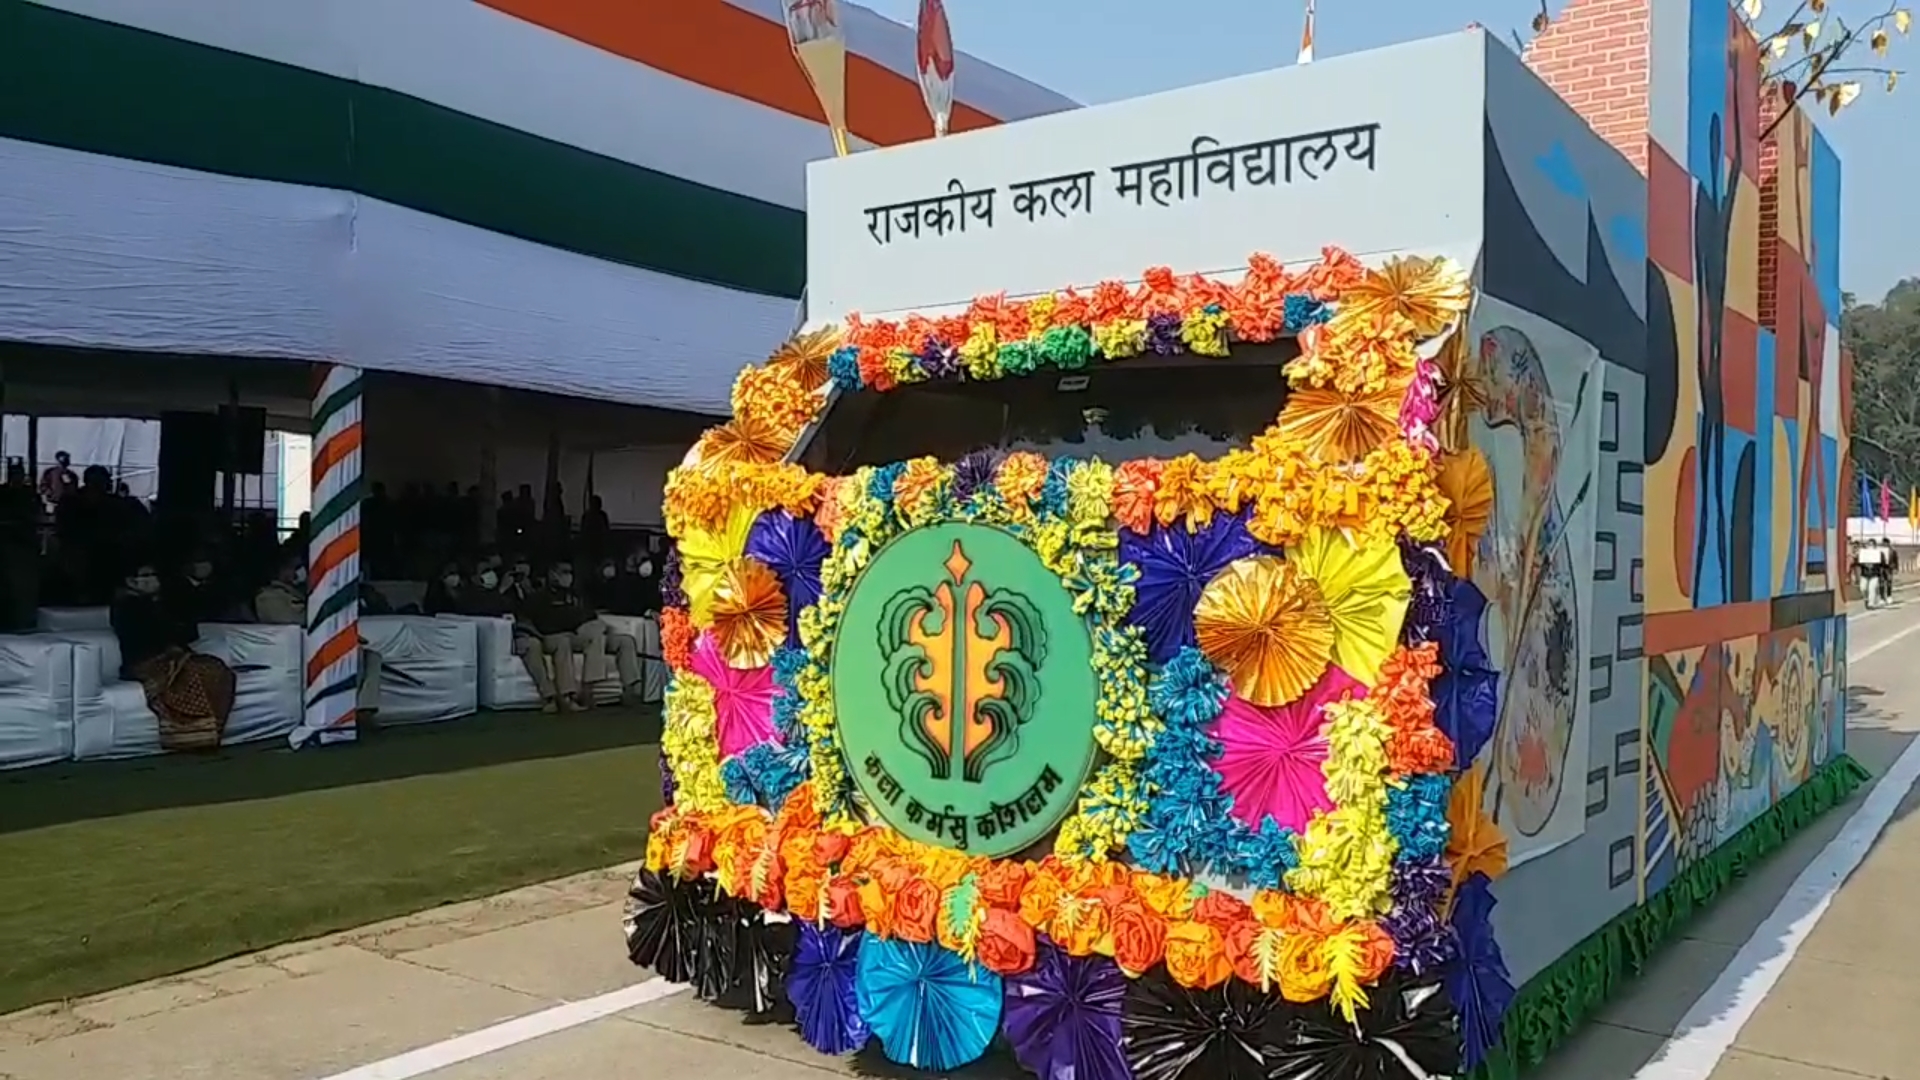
x: 103, y: 252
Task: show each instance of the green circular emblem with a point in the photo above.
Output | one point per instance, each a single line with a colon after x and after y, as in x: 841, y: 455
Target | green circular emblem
x: 964, y: 687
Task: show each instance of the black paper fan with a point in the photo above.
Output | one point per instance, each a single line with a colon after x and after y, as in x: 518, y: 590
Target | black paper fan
x: 1230, y: 1032
x: 715, y: 969
x: 1410, y: 1032
x: 762, y: 952
x: 662, y: 925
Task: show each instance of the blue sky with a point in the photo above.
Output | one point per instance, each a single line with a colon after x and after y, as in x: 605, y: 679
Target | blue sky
x: 1103, y: 50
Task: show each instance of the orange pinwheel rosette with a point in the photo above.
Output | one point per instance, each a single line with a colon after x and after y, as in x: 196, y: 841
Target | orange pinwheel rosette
x: 1265, y: 625
x: 1428, y: 293
x: 804, y: 358
x: 748, y: 610
x: 1468, y: 485
x: 1340, y: 426
x: 745, y: 438
x: 1475, y: 844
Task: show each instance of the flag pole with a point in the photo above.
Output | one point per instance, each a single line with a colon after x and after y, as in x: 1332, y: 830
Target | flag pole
x: 1306, y: 37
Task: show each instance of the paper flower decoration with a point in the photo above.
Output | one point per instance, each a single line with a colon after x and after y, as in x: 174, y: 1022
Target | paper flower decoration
x: 1431, y: 601
x: 794, y: 549
x: 1466, y: 696
x: 704, y: 555
x: 749, y: 613
x: 1265, y: 624
x: 742, y: 698
x: 804, y: 357
x: 1175, y: 566
x: 660, y: 924
x: 821, y: 986
x: 1411, y: 1030
x: 1271, y: 756
x: 1477, y: 980
x: 1468, y: 485
x: 745, y: 438
x: 1340, y: 427
x: 1475, y: 845
x: 929, y: 1008
x: 1366, y: 592
x: 1230, y: 1032
x: 1429, y: 293
x: 1063, y: 1017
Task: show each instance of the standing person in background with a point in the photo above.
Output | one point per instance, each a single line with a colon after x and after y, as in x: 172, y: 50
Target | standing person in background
x: 58, y: 481
x: 1870, y: 581
x: 596, y: 530
x: 20, y: 510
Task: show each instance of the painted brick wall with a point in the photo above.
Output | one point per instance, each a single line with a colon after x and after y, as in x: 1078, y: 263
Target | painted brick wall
x: 1595, y: 54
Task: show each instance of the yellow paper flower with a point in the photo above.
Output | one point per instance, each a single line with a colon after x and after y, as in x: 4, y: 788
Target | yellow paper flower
x: 1265, y: 624
x: 688, y: 740
x: 705, y: 555
x: 1366, y: 592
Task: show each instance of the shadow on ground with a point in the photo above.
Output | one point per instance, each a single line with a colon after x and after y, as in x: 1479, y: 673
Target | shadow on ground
x: 85, y: 791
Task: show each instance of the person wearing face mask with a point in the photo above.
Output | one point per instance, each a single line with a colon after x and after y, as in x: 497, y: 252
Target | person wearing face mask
x: 635, y: 588
x: 195, y: 594
x: 551, y: 625
x: 481, y: 596
x: 190, y: 693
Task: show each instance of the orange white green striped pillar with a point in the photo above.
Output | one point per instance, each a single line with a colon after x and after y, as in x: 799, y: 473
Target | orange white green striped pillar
x: 333, y: 560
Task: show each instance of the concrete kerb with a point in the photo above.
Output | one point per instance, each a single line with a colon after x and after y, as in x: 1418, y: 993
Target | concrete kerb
x: 390, y: 938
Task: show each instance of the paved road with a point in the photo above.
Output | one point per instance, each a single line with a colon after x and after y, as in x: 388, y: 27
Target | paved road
x: 532, y: 985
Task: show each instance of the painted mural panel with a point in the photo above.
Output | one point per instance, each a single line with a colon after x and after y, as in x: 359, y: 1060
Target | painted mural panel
x: 1539, y: 429
x: 1746, y: 676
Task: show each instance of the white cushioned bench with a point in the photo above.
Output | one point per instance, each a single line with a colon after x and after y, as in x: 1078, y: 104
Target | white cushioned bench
x: 36, y: 701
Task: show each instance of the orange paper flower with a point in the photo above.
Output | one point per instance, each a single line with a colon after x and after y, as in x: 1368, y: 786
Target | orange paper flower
x: 749, y: 612
x: 916, y: 909
x: 1007, y: 945
x: 676, y: 638
x: 1197, y: 955
x: 1135, y: 486
x: 1267, y: 627
x: 1139, y: 938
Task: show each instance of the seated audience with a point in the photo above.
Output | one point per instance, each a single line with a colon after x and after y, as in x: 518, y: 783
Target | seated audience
x: 551, y: 625
x: 442, y: 591
x: 197, y: 595
x: 191, y: 693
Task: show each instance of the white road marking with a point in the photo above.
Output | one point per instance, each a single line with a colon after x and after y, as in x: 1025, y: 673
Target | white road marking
x: 1706, y: 1032
x: 1709, y: 1028
x: 480, y: 1043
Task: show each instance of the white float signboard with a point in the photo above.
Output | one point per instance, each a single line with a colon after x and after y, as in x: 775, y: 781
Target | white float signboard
x: 1377, y: 153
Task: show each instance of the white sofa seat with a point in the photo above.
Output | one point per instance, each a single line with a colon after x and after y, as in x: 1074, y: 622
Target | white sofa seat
x: 645, y: 630
x: 73, y: 618
x: 36, y: 701
x: 110, y: 716
x: 429, y: 667
x: 502, y: 679
x: 269, y: 667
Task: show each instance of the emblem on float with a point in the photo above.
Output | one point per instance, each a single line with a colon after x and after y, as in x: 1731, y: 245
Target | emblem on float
x: 964, y: 690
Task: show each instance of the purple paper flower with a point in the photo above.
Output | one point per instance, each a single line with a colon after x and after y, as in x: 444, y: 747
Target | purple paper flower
x: 939, y: 361
x: 1432, y: 601
x: 673, y: 592
x: 1422, y: 942
x: 972, y: 473
x: 1163, y: 335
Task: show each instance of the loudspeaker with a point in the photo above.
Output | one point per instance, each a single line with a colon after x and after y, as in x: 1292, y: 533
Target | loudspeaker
x: 243, y: 441
x: 190, y: 452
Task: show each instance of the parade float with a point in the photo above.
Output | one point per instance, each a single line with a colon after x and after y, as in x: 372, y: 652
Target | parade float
x: 1082, y: 651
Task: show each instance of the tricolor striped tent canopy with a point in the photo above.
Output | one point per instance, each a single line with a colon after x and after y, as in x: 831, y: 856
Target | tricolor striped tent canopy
x: 596, y: 197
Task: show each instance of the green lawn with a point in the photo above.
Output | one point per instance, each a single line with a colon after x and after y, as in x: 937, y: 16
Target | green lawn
x: 115, y: 872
